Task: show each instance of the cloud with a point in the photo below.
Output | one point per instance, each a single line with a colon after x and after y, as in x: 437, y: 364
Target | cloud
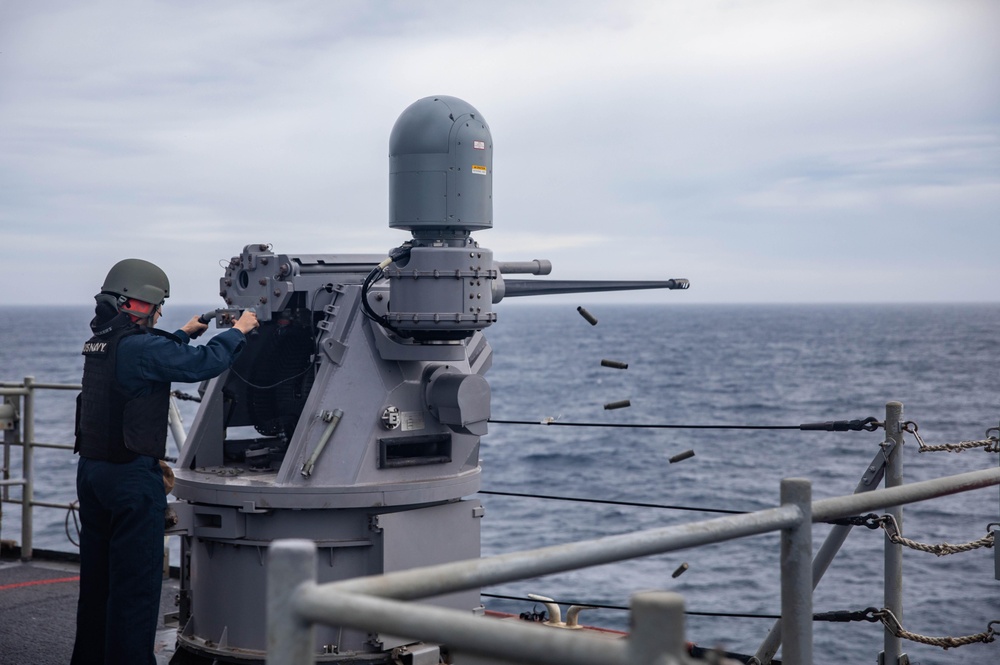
x: 628, y: 136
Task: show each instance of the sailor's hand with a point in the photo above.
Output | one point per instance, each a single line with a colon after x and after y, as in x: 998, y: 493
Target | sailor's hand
x: 194, y: 327
x: 246, y: 322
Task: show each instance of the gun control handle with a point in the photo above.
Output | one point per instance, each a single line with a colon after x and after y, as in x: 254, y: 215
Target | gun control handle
x: 205, y: 318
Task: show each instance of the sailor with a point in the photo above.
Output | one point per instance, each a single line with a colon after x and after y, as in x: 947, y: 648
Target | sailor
x: 121, y: 437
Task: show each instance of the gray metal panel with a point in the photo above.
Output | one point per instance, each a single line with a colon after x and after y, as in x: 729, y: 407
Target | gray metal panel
x: 240, y: 491
x: 416, y: 538
x: 470, y: 200
x: 228, y: 581
x: 228, y: 595
x: 419, y: 196
x: 202, y: 445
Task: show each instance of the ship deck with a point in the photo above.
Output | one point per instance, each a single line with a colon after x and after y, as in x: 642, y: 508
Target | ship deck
x: 38, y: 610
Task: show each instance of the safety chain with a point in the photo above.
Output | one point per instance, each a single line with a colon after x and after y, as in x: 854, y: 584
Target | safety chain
x: 990, y: 444
x: 891, y: 624
x: 888, y: 523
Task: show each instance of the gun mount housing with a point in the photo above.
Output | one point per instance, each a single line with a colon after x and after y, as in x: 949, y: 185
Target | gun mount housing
x: 353, y: 417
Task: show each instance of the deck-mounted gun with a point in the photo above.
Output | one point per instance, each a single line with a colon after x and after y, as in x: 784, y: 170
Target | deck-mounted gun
x: 353, y: 417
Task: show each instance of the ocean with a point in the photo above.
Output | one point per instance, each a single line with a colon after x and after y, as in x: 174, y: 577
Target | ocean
x: 761, y: 365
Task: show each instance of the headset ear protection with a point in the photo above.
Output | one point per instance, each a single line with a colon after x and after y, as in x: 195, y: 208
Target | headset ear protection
x: 137, y: 309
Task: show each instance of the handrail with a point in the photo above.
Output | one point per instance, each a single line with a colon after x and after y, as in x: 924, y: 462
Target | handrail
x: 8, y: 388
x: 374, y: 603
x: 24, y: 437
x: 473, y: 573
x: 24, y: 394
x: 295, y: 601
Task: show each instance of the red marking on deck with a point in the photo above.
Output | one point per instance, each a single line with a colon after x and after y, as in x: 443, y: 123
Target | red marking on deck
x: 56, y: 580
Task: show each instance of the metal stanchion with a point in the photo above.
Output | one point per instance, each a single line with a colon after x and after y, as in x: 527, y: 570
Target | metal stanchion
x: 796, y: 574
x: 893, y: 593
x: 28, y: 452
x: 657, y: 628
x: 289, y: 637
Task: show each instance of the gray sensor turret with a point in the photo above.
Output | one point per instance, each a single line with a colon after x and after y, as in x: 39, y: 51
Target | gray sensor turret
x: 440, y: 189
x: 440, y: 168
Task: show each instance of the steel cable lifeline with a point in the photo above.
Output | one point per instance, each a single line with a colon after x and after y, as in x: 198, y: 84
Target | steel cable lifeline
x: 599, y: 606
x: 635, y: 504
x: 871, y: 614
x: 869, y: 424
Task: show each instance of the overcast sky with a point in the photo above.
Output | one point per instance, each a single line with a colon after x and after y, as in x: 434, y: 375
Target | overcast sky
x: 769, y: 151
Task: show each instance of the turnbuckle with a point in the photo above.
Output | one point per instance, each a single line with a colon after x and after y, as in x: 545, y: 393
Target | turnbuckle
x: 869, y: 424
x: 870, y: 614
x: 871, y: 520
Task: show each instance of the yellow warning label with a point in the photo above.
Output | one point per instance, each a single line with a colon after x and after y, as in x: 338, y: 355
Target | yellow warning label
x: 481, y: 170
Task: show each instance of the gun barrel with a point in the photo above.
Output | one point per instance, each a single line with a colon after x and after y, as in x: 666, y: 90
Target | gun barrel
x: 538, y: 287
x: 535, y: 267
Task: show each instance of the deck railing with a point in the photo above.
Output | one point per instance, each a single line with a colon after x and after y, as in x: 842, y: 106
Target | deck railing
x: 17, y: 421
x: 379, y: 603
x: 18, y: 424
x: 296, y: 602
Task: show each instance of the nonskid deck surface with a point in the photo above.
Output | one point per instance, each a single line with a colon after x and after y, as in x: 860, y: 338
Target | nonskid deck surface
x: 38, y: 611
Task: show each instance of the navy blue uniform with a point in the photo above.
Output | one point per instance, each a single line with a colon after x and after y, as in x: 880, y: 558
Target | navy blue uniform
x: 144, y: 359
x: 122, y: 506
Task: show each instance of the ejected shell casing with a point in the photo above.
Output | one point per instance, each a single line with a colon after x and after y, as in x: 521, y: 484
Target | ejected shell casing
x: 613, y: 363
x: 680, y: 457
x: 587, y: 315
x: 680, y: 569
x: 620, y: 404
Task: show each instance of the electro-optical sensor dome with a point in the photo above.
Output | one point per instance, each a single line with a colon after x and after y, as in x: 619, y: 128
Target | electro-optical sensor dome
x: 440, y: 167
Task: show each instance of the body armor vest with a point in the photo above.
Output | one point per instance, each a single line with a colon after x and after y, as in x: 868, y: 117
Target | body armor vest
x: 111, y: 426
